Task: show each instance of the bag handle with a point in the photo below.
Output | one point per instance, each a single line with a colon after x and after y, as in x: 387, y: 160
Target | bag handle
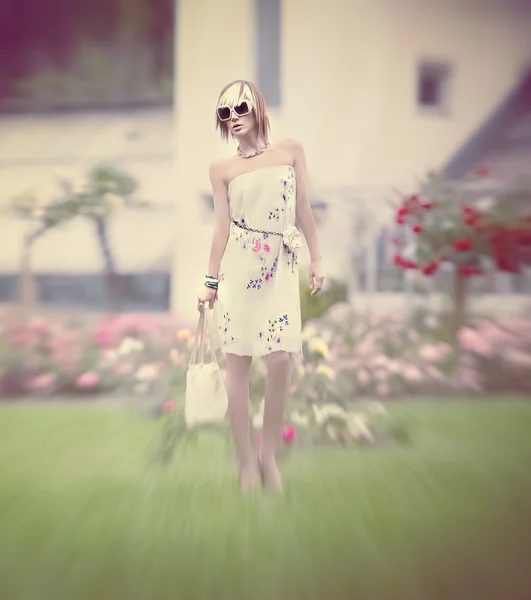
x: 199, y: 341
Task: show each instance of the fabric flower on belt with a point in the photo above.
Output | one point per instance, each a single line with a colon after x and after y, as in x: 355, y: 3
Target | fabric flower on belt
x: 292, y: 238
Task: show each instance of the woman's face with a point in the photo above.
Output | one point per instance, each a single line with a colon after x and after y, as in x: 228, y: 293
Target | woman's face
x: 241, y: 125
x: 237, y: 113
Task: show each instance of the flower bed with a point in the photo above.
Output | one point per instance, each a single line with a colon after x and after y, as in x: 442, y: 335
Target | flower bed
x: 75, y: 356
x: 352, y: 362
x: 347, y: 356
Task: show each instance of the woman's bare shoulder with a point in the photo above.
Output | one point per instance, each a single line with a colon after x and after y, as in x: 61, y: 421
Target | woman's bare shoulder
x: 218, y: 169
x: 292, y: 148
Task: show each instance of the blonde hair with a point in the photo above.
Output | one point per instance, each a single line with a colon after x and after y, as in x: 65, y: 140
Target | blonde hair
x: 235, y: 92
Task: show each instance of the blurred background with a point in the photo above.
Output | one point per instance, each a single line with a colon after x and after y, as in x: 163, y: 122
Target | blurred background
x: 415, y: 117
x: 380, y: 94
x: 84, y: 86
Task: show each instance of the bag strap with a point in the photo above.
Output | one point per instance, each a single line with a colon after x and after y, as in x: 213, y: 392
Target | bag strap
x: 198, y: 353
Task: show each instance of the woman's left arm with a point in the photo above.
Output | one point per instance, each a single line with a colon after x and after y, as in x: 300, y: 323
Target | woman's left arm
x: 305, y: 217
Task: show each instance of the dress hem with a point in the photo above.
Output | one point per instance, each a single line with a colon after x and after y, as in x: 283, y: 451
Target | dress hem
x: 257, y: 353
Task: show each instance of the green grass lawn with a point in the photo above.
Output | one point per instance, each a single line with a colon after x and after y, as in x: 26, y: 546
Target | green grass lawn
x: 84, y: 516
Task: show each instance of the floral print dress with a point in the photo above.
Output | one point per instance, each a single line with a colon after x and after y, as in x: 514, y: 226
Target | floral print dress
x: 258, y: 306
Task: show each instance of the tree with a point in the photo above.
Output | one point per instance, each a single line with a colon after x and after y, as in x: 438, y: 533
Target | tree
x: 95, y: 197
x: 456, y: 223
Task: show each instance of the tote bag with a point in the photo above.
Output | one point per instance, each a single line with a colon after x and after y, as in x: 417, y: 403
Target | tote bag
x: 206, y: 395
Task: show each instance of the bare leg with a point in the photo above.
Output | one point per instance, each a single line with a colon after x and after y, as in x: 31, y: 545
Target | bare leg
x: 276, y: 392
x: 238, y: 368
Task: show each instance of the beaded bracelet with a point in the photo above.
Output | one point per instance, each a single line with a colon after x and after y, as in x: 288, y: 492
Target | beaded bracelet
x: 211, y: 285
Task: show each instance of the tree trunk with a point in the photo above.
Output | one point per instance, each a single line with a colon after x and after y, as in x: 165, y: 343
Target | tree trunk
x: 103, y: 239
x: 460, y: 302
x: 26, y: 284
x: 26, y: 281
x: 111, y: 277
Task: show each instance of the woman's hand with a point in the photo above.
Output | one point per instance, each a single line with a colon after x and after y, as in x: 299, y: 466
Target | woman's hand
x: 316, y: 276
x: 207, y: 296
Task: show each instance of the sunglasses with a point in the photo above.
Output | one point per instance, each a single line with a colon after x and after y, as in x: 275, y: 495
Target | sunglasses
x: 241, y: 109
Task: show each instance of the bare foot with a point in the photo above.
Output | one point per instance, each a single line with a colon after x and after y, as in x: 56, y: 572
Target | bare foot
x: 271, y: 477
x: 250, y: 477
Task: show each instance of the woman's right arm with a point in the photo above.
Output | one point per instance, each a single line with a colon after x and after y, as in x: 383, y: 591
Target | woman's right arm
x: 222, y: 214
x: 221, y: 230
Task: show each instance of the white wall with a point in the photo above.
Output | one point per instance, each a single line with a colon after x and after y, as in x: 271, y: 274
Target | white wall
x: 34, y: 149
x: 349, y: 81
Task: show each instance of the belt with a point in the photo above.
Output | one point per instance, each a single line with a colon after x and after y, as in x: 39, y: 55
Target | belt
x: 243, y: 225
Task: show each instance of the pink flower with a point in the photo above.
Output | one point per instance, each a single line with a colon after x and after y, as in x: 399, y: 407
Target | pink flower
x: 257, y: 244
x: 435, y: 352
x: 124, y: 369
x: 363, y: 377
x: 40, y: 327
x: 267, y: 248
x: 288, y: 434
x: 22, y: 336
x: 104, y: 337
x: 41, y: 382
x: 148, y: 372
x: 54, y: 345
x: 413, y: 336
x: 88, y: 379
x: 268, y: 276
x: 412, y: 374
x: 517, y: 358
x: 471, y: 340
x: 169, y: 405
x: 383, y: 389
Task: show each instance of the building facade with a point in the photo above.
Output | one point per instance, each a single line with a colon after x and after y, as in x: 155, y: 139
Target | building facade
x: 379, y: 93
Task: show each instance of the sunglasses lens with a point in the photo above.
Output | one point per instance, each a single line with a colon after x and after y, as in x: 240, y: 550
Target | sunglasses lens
x: 242, y: 109
x: 224, y: 113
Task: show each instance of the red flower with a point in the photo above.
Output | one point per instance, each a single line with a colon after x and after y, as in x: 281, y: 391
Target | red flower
x: 417, y: 228
x: 403, y: 263
x: 427, y: 205
x: 470, y: 270
x: 430, y: 268
x: 482, y: 170
x: 411, y: 201
x: 462, y: 245
x: 470, y: 216
x: 288, y: 434
x: 401, y: 214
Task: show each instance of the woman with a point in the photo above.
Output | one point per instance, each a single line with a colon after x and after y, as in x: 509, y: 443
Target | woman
x: 252, y: 273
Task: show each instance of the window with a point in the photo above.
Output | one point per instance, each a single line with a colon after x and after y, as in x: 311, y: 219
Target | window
x: 432, y: 85
x: 268, y: 17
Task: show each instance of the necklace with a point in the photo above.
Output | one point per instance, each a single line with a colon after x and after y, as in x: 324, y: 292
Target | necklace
x: 253, y: 154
